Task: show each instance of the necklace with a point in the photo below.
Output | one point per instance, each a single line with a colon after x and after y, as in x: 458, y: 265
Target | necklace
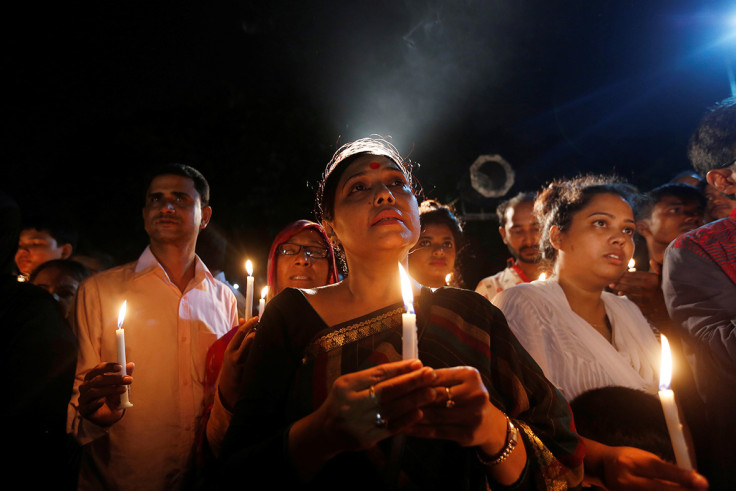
x: 605, y: 329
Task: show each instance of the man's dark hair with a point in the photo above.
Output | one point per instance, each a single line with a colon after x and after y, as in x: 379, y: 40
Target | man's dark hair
x: 621, y: 416
x: 59, y: 228
x: 713, y: 145
x: 645, y: 203
x: 72, y: 268
x: 200, y: 183
x: 510, y: 203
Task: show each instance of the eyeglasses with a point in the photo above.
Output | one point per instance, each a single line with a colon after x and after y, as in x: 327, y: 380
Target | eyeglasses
x: 289, y: 249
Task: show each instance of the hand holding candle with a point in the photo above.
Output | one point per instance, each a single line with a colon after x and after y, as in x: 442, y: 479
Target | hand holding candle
x: 249, y: 290
x: 120, y: 338
x: 669, y: 406
x: 409, y: 343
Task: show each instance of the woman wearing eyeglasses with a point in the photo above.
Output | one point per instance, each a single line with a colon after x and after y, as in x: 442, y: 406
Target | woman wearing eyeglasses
x: 300, y: 257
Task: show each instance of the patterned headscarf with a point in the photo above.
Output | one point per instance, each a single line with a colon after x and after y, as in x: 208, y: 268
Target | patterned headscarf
x: 288, y: 232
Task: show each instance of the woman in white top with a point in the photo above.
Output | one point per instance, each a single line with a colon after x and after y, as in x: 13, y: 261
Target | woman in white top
x: 581, y: 336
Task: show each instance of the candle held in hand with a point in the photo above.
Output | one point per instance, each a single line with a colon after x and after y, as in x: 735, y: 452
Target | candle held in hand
x: 249, y: 290
x: 409, y: 343
x: 632, y: 265
x: 120, y: 339
x: 669, y: 406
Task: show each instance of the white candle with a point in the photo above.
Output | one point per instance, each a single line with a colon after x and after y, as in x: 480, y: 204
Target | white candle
x: 409, y: 346
x: 669, y: 406
x: 448, y: 277
x: 632, y: 265
x: 120, y: 338
x: 262, y: 301
x: 542, y: 277
x: 249, y: 290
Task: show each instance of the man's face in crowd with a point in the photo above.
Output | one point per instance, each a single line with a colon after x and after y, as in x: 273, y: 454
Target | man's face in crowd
x: 672, y: 217
x: 521, y: 232
x: 173, y: 213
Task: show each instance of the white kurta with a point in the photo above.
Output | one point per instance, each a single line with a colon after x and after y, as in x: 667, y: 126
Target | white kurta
x: 572, y: 354
x: 167, y: 335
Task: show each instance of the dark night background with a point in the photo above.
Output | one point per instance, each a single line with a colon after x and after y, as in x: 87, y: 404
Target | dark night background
x: 258, y: 95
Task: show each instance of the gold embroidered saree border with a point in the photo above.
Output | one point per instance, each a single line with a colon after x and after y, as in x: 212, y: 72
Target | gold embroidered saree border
x: 355, y: 332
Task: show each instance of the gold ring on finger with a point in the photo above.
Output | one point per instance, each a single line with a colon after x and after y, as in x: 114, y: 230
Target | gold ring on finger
x: 450, y: 403
x: 372, y: 394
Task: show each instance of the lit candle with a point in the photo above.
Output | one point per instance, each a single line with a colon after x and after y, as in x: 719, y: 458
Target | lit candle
x: 120, y: 338
x: 249, y: 290
x: 669, y: 406
x: 262, y: 301
x: 632, y: 265
x: 409, y: 347
x: 448, y: 277
x: 542, y: 277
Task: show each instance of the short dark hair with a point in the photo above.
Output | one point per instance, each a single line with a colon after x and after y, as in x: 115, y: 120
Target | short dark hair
x: 713, y: 145
x: 325, y: 202
x: 433, y: 212
x: 60, y: 228
x: 200, y: 183
x: 646, y: 202
x: 561, y: 199
x: 72, y: 268
x: 621, y: 416
x: 510, y: 203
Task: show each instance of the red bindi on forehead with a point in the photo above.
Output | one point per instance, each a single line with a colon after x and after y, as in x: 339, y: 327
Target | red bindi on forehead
x: 374, y: 165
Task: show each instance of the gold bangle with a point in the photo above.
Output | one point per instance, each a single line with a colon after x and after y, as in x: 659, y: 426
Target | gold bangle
x: 512, y: 438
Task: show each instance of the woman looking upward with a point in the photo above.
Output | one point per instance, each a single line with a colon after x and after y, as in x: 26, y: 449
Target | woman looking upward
x: 328, y: 403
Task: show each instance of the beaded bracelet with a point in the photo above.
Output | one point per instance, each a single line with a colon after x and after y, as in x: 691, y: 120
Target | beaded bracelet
x: 512, y: 438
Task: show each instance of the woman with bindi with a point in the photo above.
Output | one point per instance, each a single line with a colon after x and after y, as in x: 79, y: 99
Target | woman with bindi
x: 432, y: 261
x: 329, y: 403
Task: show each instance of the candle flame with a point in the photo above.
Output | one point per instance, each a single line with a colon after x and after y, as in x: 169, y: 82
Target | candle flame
x: 632, y: 265
x: 665, y: 370
x: 121, y: 314
x: 249, y: 267
x: 406, y: 290
x: 542, y: 276
x: 264, y: 292
x: 448, y: 277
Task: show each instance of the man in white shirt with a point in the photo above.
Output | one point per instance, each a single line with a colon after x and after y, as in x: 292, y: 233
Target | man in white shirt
x: 520, y: 232
x: 175, y: 311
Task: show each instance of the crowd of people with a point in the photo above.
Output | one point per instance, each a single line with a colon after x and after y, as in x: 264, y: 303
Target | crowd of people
x: 544, y: 377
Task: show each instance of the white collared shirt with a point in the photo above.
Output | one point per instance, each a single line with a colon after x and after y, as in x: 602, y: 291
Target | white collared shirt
x: 167, y: 335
